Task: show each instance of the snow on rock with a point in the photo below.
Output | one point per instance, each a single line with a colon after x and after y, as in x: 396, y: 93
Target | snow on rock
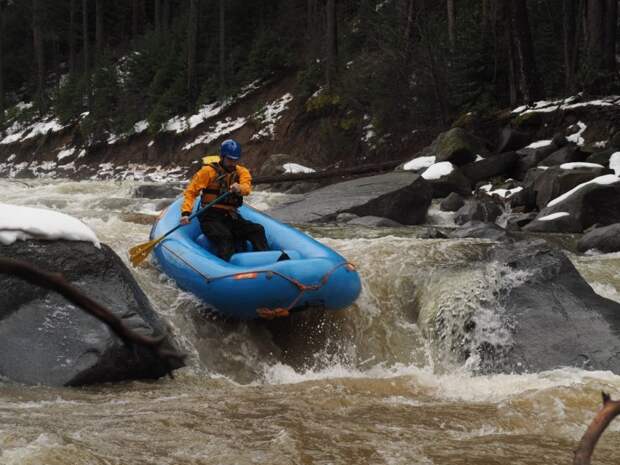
x: 539, y: 144
x: 602, y: 180
x: 504, y: 193
x: 17, y: 133
x: 294, y: 168
x: 419, y: 163
x: 577, y: 138
x: 614, y: 162
x: 23, y: 223
x: 221, y: 128
x: 578, y: 164
x: 547, y: 106
x: 438, y: 170
x: 270, y: 115
x: 64, y: 153
x: 554, y: 216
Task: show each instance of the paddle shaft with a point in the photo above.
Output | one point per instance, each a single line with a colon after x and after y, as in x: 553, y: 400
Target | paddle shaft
x: 199, y: 212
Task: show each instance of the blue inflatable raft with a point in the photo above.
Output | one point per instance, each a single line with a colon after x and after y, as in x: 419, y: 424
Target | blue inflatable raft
x: 256, y: 284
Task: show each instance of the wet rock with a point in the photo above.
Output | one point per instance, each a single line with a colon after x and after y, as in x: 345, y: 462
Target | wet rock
x: 374, y: 221
x: 528, y: 158
x: 44, y: 339
x: 454, y: 181
x: 512, y: 139
x: 457, y: 146
x: 595, y: 202
x: 516, y: 221
x: 555, y: 181
x: 452, y: 203
x: 553, y: 316
x: 602, y: 157
x: 478, y: 210
x: 479, y: 230
x: 400, y: 196
x: 158, y: 191
x: 489, y: 167
x: 567, y: 154
x: 605, y: 239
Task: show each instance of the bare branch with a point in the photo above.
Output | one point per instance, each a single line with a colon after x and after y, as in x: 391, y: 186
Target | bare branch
x: 56, y: 282
x: 610, y: 409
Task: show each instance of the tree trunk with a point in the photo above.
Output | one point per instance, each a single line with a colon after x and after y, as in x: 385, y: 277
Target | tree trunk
x: 1, y: 60
x: 571, y: 10
x: 332, y: 44
x: 451, y: 24
x: 37, y: 35
x: 85, y: 47
x: 72, y: 37
x: 311, y: 30
x: 609, y: 43
x: 513, y: 86
x: 222, y: 41
x: 530, y: 86
x: 595, y: 33
x: 99, y: 37
x: 165, y: 20
x: 157, y: 17
x: 192, y: 33
x: 135, y: 18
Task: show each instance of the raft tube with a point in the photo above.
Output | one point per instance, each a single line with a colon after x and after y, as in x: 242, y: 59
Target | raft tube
x: 298, y: 273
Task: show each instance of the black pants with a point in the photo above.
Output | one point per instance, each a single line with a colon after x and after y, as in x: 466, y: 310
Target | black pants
x: 228, y: 232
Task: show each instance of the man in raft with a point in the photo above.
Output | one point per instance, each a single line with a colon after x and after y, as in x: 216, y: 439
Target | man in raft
x: 221, y: 223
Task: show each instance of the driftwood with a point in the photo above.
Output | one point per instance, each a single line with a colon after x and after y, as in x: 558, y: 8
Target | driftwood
x: 327, y: 174
x: 56, y: 282
x: 610, y: 409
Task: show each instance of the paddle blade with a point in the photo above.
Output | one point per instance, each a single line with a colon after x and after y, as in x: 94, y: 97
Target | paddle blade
x: 138, y: 253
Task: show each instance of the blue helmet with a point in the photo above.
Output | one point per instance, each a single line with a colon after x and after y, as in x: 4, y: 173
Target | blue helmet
x: 230, y: 149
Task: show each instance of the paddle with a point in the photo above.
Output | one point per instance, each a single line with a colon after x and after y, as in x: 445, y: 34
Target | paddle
x: 138, y: 253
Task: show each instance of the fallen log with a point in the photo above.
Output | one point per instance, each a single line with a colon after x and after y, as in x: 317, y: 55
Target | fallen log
x: 327, y: 174
x: 610, y: 409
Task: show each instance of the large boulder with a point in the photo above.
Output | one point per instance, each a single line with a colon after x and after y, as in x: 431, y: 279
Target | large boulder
x: 490, y: 167
x: 158, y: 191
x: 485, y: 211
x: 530, y: 157
x: 528, y: 310
x: 44, y: 339
x: 512, y: 139
x: 557, y: 180
x: 445, y: 179
x: 567, y: 154
x: 594, y: 202
x: 457, y: 146
x: 605, y: 239
x: 400, y: 196
x: 554, y: 317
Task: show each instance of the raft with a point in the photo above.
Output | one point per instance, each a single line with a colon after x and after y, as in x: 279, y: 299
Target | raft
x: 298, y: 273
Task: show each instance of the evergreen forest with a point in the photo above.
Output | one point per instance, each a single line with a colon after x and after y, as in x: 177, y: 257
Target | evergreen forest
x: 395, y: 64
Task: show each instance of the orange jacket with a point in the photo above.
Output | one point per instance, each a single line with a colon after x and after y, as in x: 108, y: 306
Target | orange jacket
x: 206, y: 178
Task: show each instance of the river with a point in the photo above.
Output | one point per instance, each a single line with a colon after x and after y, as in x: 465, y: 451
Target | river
x: 361, y: 386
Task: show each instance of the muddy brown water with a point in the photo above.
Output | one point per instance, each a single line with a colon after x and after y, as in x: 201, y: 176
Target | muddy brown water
x: 361, y: 386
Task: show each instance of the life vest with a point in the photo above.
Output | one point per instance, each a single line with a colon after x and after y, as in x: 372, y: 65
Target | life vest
x: 220, y: 185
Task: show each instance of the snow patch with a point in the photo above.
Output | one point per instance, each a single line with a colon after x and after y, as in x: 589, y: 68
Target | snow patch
x: 419, y: 163
x: 553, y: 216
x: 270, y: 115
x: 601, y: 180
x: 16, y: 133
x: 294, y: 168
x: 65, y: 153
x: 438, y: 170
x: 614, y: 163
x: 577, y: 138
x: 23, y: 223
x: 539, y: 144
x: 578, y: 164
x: 547, y: 106
x: 221, y: 128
